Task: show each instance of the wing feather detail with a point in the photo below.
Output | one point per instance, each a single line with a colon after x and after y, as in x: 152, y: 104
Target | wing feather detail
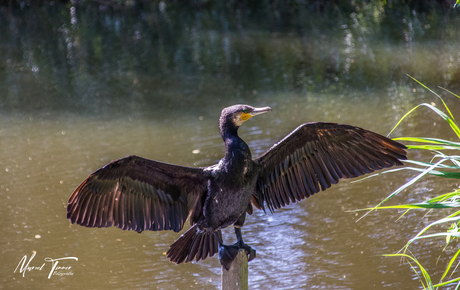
x: 315, y: 156
x: 138, y: 194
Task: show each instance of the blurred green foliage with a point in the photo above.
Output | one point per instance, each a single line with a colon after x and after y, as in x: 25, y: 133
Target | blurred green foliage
x: 80, y: 54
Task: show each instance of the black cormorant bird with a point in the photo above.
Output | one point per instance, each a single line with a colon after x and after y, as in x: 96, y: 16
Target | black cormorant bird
x: 139, y: 194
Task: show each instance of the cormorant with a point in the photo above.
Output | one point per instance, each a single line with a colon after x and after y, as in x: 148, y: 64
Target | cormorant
x: 139, y: 194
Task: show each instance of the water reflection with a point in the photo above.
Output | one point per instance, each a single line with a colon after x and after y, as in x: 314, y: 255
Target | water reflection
x: 82, y: 86
x: 93, y: 60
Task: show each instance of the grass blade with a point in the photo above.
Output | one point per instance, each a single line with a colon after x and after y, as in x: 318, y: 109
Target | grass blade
x: 425, y: 274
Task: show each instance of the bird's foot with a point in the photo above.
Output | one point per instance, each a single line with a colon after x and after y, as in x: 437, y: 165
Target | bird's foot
x: 249, y: 251
x: 228, y: 253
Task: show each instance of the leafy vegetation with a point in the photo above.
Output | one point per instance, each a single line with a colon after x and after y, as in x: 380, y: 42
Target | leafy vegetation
x: 444, y: 163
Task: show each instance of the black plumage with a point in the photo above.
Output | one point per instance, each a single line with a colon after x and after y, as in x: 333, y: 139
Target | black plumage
x: 138, y: 194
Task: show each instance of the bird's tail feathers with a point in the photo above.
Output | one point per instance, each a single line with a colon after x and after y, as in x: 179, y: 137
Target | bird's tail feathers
x: 194, y: 243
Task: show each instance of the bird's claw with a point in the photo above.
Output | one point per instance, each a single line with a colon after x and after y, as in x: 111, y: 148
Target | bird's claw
x: 249, y: 251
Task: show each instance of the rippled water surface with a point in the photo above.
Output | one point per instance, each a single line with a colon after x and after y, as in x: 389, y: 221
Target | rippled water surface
x: 84, y: 85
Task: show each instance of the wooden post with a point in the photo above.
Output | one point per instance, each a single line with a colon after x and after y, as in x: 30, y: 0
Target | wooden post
x: 236, y: 278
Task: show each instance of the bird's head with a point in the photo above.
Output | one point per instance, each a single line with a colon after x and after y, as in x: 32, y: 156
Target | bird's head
x: 234, y: 116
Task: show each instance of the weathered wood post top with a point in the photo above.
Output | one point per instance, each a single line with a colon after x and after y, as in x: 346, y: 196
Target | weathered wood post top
x: 236, y: 278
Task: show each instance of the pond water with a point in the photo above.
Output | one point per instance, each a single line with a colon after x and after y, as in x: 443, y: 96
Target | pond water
x: 83, y: 85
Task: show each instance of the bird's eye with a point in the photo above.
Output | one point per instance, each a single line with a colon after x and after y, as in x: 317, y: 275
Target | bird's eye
x: 244, y: 111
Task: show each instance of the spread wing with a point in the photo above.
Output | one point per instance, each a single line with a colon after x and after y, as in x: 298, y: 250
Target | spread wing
x: 138, y: 194
x: 316, y: 155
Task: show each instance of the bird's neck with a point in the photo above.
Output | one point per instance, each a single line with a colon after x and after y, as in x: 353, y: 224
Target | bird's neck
x: 228, y: 129
x: 238, y: 154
